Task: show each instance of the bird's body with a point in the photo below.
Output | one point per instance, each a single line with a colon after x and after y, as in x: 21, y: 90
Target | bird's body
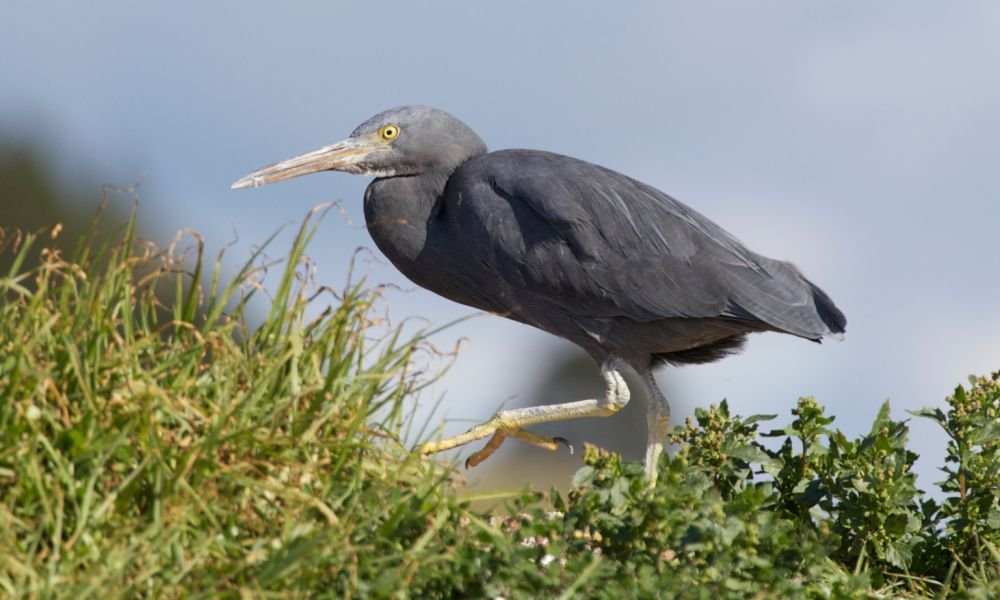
x: 518, y: 233
x: 621, y: 269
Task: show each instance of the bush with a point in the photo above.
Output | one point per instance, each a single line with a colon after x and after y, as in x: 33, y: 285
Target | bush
x: 154, y: 444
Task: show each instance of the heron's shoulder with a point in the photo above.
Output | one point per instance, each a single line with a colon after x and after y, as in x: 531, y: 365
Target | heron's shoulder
x: 521, y: 163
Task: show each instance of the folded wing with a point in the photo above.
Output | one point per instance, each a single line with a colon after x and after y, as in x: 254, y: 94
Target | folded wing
x: 604, y: 245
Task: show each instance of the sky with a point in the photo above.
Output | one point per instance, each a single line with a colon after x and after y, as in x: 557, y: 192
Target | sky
x: 859, y: 140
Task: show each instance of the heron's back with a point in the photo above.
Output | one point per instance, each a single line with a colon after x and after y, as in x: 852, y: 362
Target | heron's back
x: 586, y: 252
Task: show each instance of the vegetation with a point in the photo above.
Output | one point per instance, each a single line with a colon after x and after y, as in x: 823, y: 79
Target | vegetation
x: 167, y: 449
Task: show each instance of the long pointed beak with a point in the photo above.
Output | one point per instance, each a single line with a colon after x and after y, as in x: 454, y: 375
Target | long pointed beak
x: 339, y: 156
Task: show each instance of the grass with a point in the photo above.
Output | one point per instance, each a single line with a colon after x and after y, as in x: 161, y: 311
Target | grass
x: 154, y: 444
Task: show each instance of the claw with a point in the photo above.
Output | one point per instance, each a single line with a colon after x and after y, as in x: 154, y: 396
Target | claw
x: 564, y: 442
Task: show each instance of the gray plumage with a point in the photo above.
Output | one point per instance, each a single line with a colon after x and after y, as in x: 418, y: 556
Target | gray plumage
x: 580, y: 251
x: 583, y: 252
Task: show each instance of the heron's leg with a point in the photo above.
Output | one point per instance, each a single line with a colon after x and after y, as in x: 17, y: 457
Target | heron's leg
x: 507, y: 423
x: 657, y: 424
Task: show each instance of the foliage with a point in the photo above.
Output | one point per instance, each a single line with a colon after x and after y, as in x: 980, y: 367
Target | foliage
x: 154, y: 448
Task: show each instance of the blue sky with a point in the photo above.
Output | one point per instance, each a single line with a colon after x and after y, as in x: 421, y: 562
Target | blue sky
x: 859, y: 140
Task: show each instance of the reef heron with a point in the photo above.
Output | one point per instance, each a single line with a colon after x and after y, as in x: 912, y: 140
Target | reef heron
x: 631, y: 275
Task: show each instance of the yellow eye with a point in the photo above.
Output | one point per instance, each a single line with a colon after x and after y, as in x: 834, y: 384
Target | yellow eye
x: 388, y: 132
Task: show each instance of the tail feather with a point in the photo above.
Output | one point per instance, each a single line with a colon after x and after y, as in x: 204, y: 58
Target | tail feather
x: 702, y: 354
x: 828, y: 311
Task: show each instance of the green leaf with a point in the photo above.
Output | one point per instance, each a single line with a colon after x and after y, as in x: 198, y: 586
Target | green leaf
x: 812, y: 493
x: 749, y: 453
x: 935, y: 414
x: 758, y: 418
x: 584, y: 476
x: 898, y: 554
x: 896, y: 524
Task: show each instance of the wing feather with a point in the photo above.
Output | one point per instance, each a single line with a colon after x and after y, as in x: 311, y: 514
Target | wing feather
x: 562, y: 230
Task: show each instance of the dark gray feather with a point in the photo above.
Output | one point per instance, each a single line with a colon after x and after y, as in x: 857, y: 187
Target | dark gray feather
x: 558, y: 229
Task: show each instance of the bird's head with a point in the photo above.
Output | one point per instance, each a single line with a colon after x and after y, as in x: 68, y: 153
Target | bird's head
x: 409, y: 140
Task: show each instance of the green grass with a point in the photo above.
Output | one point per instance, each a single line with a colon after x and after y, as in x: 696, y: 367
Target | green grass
x: 165, y: 448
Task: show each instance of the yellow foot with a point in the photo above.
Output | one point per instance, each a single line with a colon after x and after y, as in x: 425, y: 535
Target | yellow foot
x: 499, y: 436
x: 539, y: 441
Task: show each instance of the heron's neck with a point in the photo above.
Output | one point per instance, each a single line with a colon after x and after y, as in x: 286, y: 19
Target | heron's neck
x: 399, y: 211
